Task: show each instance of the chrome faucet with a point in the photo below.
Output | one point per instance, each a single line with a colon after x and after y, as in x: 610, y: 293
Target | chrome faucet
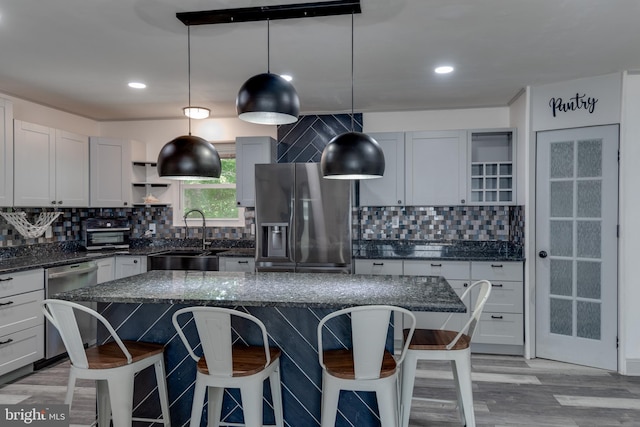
x: 204, y: 224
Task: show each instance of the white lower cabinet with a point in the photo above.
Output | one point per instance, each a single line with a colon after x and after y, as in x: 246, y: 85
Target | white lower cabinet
x: 231, y: 263
x: 502, y: 320
x: 457, y: 274
x: 106, y: 269
x: 21, y: 319
x: 129, y: 265
x: 379, y: 266
x: 501, y: 326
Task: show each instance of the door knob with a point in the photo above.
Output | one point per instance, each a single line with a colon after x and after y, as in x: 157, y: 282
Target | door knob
x: 542, y: 254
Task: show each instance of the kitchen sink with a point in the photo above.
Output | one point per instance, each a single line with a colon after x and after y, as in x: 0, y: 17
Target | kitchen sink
x: 206, y: 260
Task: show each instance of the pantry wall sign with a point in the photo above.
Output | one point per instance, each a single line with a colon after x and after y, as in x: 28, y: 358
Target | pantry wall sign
x: 583, y: 102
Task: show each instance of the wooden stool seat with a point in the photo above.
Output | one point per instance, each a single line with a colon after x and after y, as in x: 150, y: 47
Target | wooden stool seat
x: 436, y: 339
x: 247, y: 360
x: 110, y: 355
x: 340, y: 364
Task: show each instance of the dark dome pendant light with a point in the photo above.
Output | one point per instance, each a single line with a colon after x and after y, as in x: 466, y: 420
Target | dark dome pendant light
x: 189, y: 157
x: 352, y: 155
x: 267, y: 98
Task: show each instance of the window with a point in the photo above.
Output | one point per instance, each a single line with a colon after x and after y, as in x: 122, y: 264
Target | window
x: 216, y: 198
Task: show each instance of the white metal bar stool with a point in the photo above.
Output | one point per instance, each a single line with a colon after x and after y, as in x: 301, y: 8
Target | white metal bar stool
x: 113, y: 365
x: 441, y: 344
x: 367, y: 366
x: 224, y: 365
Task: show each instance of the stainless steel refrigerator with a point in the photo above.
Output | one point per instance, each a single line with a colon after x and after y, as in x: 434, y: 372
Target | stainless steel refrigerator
x: 303, y: 221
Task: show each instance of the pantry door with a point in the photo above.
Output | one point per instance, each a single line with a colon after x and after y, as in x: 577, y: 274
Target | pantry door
x: 576, y: 245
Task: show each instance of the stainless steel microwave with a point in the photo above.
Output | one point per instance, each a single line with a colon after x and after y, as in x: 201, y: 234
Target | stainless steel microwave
x: 107, y: 233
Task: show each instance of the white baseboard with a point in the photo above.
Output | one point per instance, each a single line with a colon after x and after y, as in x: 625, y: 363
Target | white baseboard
x: 633, y: 367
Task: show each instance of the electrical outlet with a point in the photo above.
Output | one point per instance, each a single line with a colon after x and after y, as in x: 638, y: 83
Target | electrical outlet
x: 395, y: 222
x: 152, y: 229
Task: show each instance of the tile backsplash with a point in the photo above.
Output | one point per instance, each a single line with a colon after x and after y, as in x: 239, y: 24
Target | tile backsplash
x: 70, y: 225
x: 481, y: 223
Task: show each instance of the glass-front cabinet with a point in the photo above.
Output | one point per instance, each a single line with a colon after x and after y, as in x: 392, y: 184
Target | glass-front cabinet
x: 492, y: 168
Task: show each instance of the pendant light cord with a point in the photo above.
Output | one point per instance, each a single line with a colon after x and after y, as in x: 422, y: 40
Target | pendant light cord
x: 189, y: 70
x: 268, y: 48
x: 352, y: 102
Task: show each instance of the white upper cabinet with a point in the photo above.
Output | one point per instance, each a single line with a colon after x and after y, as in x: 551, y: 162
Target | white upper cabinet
x: 51, y: 167
x: 110, y: 161
x: 388, y: 190
x: 436, y: 165
x: 492, y: 178
x: 250, y: 151
x: 6, y: 153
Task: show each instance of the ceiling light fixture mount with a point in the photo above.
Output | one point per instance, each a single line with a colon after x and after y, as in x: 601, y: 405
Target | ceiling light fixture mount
x: 264, y: 13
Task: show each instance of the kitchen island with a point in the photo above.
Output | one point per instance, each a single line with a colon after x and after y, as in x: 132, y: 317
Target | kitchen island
x: 290, y: 304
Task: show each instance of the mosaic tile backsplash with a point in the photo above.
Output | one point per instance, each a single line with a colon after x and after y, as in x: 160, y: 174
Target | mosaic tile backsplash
x: 70, y: 225
x: 480, y: 223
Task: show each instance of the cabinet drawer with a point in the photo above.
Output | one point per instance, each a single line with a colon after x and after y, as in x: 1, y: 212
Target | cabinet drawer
x: 500, y: 328
x: 506, y: 297
x: 497, y: 270
x: 21, y: 282
x: 21, y: 348
x: 237, y: 264
x: 448, y: 269
x: 20, y: 312
x: 379, y: 266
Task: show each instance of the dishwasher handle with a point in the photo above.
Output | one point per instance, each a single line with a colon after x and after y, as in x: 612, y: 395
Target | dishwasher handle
x: 73, y: 272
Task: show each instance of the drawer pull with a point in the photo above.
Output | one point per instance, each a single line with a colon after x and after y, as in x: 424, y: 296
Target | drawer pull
x: 499, y: 285
x: 7, y: 341
x: 496, y: 317
x: 6, y: 280
x: 6, y: 303
x: 436, y: 265
x: 243, y: 262
x: 378, y: 263
x: 496, y: 265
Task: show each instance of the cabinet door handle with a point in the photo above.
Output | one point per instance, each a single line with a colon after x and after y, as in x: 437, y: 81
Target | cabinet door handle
x: 6, y: 303
x: 6, y: 280
x: 465, y: 285
x: 496, y: 265
x: 6, y: 342
x: 436, y: 265
x: 499, y: 285
x: 135, y: 261
x: 496, y: 317
x: 53, y: 202
x: 59, y: 202
x: 399, y: 202
x: 243, y: 262
x: 378, y: 263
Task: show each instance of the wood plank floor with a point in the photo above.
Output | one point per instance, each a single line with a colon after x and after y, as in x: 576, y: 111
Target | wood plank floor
x: 508, y: 391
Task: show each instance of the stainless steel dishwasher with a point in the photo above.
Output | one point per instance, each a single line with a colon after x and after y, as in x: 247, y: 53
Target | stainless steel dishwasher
x: 67, y: 278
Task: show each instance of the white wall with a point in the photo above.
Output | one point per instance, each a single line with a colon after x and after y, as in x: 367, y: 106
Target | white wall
x: 156, y: 133
x: 407, y: 121
x: 47, y: 116
x: 629, y: 245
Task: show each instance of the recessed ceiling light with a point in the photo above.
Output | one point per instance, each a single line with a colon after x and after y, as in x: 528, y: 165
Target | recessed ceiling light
x: 137, y: 85
x: 287, y: 77
x: 445, y: 69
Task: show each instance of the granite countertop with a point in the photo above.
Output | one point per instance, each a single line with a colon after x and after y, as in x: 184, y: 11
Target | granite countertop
x: 442, y: 250
x: 303, y: 290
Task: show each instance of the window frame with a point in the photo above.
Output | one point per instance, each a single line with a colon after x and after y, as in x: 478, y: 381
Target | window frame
x: 226, y: 150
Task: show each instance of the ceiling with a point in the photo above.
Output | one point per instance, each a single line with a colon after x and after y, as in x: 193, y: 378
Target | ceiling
x: 78, y: 55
